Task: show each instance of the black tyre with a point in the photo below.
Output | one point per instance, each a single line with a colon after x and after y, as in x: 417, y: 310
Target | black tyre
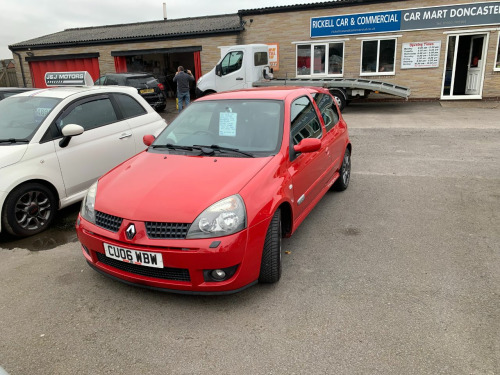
x: 345, y: 173
x: 270, y: 266
x: 339, y: 97
x: 160, y: 108
x: 28, y: 210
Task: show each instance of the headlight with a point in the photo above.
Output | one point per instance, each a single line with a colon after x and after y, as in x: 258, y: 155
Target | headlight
x: 87, y: 211
x: 223, y: 218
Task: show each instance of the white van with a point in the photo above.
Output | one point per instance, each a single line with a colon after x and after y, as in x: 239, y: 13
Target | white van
x: 239, y: 67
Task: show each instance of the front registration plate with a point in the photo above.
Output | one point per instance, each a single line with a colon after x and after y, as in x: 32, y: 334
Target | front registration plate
x: 141, y: 258
x: 147, y: 91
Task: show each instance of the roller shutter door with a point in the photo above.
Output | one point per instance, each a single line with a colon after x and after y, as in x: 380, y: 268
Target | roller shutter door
x: 39, y: 68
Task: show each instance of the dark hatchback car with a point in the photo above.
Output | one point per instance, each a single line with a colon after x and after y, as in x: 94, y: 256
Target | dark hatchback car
x: 5, y: 92
x: 146, y: 84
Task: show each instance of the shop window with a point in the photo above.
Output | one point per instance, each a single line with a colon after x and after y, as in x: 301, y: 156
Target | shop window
x: 497, y: 61
x: 320, y: 59
x: 303, y: 60
x: 378, y: 56
x: 232, y: 62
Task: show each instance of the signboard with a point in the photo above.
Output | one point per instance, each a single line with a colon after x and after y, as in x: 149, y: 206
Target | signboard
x: 458, y: 15
x: 274, y: 57
x: 68, y: 79
x: 420, y: 55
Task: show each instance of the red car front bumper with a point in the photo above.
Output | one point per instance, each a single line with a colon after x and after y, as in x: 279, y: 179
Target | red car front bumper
x: 185, y: 262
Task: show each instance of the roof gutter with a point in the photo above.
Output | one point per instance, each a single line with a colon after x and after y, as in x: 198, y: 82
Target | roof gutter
x: 21, y: 65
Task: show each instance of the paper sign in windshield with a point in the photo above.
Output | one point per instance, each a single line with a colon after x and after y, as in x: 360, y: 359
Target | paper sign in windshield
x: 227, y: 124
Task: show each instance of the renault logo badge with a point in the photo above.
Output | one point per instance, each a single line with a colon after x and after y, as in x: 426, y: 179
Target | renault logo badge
x: 130, y: 232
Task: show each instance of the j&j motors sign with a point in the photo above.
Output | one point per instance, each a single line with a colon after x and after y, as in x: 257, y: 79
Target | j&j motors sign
x: 462, y: 15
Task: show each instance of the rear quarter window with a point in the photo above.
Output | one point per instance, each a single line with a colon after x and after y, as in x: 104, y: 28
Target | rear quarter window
x: 129, y: 106
x: 260, y: 58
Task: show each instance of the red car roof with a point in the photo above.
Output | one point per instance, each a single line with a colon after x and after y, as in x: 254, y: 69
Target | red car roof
x: 273, y: 93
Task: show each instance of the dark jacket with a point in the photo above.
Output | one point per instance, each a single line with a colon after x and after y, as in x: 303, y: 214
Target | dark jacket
x: 183, y: 79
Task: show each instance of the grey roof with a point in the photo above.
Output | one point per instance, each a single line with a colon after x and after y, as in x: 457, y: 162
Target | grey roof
x: 321, y: 5
x: 137, y: 31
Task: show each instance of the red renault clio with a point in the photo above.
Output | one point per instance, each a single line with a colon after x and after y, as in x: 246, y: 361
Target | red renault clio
x: 204, y: 208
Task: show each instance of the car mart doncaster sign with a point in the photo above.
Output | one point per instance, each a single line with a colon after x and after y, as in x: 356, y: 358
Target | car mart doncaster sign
x: 461, y: 15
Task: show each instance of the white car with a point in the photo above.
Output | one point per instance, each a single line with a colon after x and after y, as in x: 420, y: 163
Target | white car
x: 55, y: 143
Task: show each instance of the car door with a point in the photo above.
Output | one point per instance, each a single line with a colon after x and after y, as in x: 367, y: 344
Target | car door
x: 231, y: 72
x: 140, y: 121
x: 334, y: 127
x: 309, y: 171
x: 106, y: 142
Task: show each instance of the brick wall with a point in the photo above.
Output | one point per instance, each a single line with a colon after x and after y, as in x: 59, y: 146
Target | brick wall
x: 286, y: 28
x: 209, y: 55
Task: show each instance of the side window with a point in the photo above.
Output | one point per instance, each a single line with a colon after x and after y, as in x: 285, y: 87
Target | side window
x: 327, y: 109
x: 260, y: 58
x: 129, y: 106
x: 90, y: 114
x: 232, y: 62
x: 304, y: 121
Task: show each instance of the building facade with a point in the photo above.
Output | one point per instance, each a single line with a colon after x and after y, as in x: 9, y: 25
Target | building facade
x: 440, y: 49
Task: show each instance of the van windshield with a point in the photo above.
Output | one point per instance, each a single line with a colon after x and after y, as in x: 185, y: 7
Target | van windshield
x: 20, y: 116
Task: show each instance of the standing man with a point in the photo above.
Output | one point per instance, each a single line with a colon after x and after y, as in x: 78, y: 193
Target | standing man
x: 182, y: 78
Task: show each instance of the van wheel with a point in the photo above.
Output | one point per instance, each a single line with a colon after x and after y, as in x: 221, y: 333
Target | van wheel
x: 270, y: 266
x: 28, y: 210
x: 345, y: 173
x: 339, y: 97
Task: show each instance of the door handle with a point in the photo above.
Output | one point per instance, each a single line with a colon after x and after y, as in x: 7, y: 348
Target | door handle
x: 125, y: 135
x: 239, y: 79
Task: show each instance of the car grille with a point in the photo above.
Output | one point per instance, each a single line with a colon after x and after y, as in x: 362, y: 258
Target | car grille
x: 167, y: 230
x: 178, y: 274
x: 108, y: 222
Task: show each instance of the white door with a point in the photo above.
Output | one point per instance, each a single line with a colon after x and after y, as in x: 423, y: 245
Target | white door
x: 231, y: 72
x: 105, y: 143
x: 475, y: 66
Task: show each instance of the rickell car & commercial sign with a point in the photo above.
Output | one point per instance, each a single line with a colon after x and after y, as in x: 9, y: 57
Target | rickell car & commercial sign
x: 462, y: 15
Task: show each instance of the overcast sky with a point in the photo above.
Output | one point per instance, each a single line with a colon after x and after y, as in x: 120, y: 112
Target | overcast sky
x: 21, y: 20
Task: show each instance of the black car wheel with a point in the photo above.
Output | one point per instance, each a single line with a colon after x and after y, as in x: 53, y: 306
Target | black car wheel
x: 270, y: 267
x: 340, y: 98
x: 345, y: 173
x: 28, y: 210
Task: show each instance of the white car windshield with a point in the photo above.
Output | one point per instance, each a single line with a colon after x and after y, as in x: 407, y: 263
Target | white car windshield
x: 252, y: 126
x: 20, y: 116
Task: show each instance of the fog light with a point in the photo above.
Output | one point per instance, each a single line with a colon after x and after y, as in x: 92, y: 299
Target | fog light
x: 218, y: 275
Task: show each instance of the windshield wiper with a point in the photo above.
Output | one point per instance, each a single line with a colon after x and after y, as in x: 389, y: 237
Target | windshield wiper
x: 220, y: 148
x: 14, y: 140
x: 177, y: 147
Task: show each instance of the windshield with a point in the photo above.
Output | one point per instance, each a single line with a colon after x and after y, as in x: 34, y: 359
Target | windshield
x: 252, y: 126
x: 140, y: 82
x: 20, y: 116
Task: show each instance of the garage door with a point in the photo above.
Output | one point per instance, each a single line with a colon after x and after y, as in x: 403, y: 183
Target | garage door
x: 39, y: 68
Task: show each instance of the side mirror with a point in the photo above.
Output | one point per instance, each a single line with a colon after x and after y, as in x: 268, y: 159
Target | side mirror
x: 148, y: 139
x: 218, y: 70
x: 72, y: 130
x: 308, y: 145
x: 69, y: 131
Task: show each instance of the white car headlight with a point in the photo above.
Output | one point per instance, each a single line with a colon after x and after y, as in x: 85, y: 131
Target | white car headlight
x: 87, y: 211
x: 223, y: 218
